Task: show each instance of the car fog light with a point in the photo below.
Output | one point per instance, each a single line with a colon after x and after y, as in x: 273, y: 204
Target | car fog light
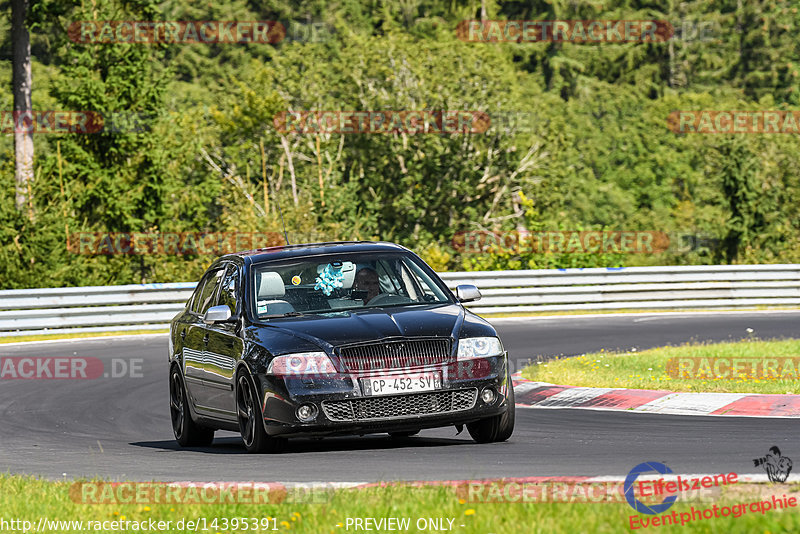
x: 488, y: 395
x: 306, y: 412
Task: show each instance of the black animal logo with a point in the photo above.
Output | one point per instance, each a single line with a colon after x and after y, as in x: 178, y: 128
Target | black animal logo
x: 777, y: 467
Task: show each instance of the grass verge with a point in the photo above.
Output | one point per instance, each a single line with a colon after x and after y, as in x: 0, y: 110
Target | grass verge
x: 76, y: 335
x: 29, y: 499
x: 648, y: 369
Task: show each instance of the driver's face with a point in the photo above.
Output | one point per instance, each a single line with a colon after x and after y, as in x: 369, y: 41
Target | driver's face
x: 367, y: 280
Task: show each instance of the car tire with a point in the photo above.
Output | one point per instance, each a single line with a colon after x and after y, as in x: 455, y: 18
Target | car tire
x: 187, y: 432
x: 404, y: 434
x: 499, y: 427
x: 251, y: 419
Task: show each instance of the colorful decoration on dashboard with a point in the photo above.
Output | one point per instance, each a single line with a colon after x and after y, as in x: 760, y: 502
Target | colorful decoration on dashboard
x: 329, y: 279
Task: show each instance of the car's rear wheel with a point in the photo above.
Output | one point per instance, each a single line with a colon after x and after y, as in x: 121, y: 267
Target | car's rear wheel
x: 498, y: 427
x: 251, y: 419
x: 404, y: 434
x: 187, y: 432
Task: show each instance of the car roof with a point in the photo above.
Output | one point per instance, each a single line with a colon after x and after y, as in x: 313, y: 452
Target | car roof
x: 313, y: 249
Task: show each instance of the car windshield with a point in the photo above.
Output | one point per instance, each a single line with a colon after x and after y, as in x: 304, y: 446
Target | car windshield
x: 323, y: 284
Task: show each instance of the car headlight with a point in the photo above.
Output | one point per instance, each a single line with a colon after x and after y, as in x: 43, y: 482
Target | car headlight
x: 302, y: 364
x: 479, y: 347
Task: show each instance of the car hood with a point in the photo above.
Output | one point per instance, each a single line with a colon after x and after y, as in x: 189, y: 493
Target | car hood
x: 326, y: 331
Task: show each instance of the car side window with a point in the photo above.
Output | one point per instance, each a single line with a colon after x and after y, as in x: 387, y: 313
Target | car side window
x: 230, y: 285
x: 209, y: 292
x: 194, y: 300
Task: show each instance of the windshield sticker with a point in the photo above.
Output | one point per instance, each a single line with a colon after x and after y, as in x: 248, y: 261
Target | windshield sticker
x: 329, y: 279
x: 296, y: 280
x: 262, y: 308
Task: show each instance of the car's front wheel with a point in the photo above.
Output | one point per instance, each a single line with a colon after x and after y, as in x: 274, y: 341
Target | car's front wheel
x: 251, y: 419
x: 187, y: 432
x: 498, y: 427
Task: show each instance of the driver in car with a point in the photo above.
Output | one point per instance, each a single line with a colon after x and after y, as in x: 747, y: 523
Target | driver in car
x: 367, y: 280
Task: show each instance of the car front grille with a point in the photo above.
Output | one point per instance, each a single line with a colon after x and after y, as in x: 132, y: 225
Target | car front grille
x: 395, y: 354
x: 398, y: 406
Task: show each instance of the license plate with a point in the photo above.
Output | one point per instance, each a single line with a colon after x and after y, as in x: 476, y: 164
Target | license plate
x: 388, y: 385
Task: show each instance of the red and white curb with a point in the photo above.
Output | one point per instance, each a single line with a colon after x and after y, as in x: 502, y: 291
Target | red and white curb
x: 531, y: 394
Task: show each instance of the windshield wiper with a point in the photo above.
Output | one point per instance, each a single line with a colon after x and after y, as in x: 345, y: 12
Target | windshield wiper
x: 287, y: 314
x: 399, y: 305
x: 405, y: 304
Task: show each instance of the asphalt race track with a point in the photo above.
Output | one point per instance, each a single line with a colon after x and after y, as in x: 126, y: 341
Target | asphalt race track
x: 119, y: 428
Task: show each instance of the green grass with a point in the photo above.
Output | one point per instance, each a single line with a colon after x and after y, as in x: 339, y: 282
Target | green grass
x: 67, y: 335
x: 29, y: 499
x: 647, y: 369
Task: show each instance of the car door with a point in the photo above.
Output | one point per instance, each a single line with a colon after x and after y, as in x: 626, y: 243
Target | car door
x: 197, y: 337
x: 224, y: 347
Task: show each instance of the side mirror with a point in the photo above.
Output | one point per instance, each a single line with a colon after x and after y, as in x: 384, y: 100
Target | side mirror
x: 217, y: 314
x: 467, y: 293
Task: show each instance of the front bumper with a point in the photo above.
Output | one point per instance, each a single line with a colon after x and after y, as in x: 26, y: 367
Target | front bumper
x: 342, y: 407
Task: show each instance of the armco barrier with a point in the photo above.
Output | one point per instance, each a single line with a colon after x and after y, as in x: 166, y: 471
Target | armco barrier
x: 87, y: 309
x: 151, y: 306
x: 694, y: 287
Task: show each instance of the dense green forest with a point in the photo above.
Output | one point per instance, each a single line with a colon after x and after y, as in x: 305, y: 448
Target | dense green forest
x: 578, y: 136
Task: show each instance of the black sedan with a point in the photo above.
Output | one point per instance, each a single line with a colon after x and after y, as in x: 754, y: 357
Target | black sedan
x: 329, y: 339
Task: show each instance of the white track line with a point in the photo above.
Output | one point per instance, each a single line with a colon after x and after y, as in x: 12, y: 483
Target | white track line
x: 572, y: 397
x: 690, y: 403
x: 641, y: 316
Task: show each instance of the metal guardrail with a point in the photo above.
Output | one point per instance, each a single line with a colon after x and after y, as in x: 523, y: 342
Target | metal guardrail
x: 91, y: 309
x: 151, y: 306
x: 657, y: 288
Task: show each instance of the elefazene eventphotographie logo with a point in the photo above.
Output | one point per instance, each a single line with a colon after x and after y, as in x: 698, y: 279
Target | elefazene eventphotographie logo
x: 630, y: 480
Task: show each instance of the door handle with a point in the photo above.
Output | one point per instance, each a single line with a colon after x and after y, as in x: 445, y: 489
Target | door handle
x: 205, y: 338
x: 183, y: 334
